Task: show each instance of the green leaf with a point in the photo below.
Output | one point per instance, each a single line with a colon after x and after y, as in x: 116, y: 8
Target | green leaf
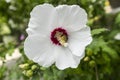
x: 117, y: 19
x: 98, y: 31
x: 110, y: 52
x: 4, y: 29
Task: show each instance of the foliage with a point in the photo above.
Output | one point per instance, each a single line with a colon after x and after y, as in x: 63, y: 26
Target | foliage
x: 102, y: 60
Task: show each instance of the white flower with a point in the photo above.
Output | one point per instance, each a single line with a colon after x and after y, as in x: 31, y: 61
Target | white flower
x: 15, y: 55
x: 10, y: 60
x: 107, y: 8
x: 8, y: 1
x: 57, y: 35
x: 117, y: 36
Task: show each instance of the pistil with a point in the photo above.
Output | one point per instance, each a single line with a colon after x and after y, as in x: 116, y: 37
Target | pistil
x: 61, y: 38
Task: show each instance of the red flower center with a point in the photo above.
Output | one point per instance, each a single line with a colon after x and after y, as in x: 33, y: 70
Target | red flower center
x: 59, y: 35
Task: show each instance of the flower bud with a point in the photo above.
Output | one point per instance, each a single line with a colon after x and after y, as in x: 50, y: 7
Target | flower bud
x: 86, y: 58
x: 42, y: 68
x: 89, y: 52
x: 29, y: 73
x: 34, y: 67
x: 24, y: 72
x: 24, y: 66
x: 92, y: 63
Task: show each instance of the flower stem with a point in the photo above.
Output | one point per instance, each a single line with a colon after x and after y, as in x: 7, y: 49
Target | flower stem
x: 96, y: 72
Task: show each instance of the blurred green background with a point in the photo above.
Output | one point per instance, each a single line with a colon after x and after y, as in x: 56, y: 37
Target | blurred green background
x: 102, y: 60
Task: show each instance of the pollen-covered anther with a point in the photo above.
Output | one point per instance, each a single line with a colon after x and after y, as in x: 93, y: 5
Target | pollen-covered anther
x: 61, y: 38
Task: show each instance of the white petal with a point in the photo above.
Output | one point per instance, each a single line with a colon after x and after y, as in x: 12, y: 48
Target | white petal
x: 78, y: 40
x: 71, y: 17
x: 78, y: 58
x: 39, y: 49
x: 117, y: 36
x: 66, y: 59
x: 40, y: 19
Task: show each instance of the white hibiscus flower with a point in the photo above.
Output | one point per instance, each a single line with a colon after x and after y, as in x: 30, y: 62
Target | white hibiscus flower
x: 57, y: 35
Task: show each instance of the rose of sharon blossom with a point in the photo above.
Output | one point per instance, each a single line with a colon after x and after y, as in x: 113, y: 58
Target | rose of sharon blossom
x: 57, y: 35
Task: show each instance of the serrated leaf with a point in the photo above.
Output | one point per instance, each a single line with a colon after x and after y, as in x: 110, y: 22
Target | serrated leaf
x: 98, y: 31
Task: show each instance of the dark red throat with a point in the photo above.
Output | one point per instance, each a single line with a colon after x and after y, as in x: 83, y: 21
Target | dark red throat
x: 53, y: 33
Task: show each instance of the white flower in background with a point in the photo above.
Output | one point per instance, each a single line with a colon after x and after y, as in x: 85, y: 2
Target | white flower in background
x: 15, y: 55
x: 8, y: 1
x: 57, y: 35
x: 117, y: 36
x: 10, y: 60
x: 107, y: 8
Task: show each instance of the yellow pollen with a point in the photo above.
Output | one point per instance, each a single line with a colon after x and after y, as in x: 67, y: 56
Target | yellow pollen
x: 107, y: 3
x: 61, y: 38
